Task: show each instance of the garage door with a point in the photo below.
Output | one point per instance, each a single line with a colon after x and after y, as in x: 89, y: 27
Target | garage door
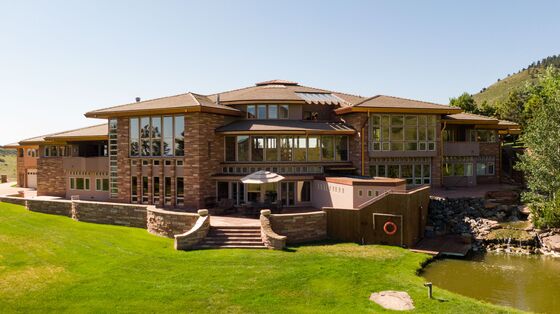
x: 32, y: 178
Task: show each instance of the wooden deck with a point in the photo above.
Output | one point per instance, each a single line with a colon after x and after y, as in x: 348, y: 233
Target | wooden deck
x: 451, y: 245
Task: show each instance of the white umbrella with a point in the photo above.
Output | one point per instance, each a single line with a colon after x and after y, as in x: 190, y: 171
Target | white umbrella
x: 261, y: 177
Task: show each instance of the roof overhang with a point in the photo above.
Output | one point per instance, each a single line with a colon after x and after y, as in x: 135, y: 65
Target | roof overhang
x: 397, y: 110
x: 179, y: 110
x: 289, y: 132
x: 77, y: 138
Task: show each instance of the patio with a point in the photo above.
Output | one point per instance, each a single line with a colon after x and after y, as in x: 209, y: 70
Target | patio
x: 474, y: 191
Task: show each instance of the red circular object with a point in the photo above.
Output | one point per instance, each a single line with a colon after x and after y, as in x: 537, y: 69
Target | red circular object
x: 390, y: 225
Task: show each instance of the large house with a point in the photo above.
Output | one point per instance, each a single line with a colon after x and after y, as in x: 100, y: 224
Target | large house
x: 185, y: 150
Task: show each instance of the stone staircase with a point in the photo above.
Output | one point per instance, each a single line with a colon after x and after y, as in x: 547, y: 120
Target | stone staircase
x: 233, y: 237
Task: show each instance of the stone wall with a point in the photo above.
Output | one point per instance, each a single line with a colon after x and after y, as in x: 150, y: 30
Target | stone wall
x: 53, y: 207
x: 271, y: 239
x: 167, y: 223
x: 50, y: 176
x: 303, y: 227
x: 110, y: 213
x: 358, y: 121
x: 13, y: 200
x: 197, y: 234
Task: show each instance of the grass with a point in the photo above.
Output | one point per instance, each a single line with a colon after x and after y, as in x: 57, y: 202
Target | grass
x: 8, y: 165
x: 500, y: 90
x: 54, y: 264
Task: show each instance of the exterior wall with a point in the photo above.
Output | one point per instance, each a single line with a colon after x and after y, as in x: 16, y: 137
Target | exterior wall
x: 50, y: 177
x: 359, y: 200
x: 359, y: 225
x: 91, y: 194
x: 493, y: 150
x: 53, y: 207
x: 203, y: 153
x: 329, y: 194
x: 298, y: 228
x: 123, y: 161
x: 25, y: 163
x: 358, y: 121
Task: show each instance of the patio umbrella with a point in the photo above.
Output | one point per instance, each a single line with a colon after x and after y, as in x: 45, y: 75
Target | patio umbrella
x: 261, y: 177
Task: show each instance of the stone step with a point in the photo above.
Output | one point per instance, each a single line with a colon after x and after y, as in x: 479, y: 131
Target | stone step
x: 235, y: 227
x: 234, y: 242
x: 233, y: 234
x: 204, y: 246
x: 234, y: 237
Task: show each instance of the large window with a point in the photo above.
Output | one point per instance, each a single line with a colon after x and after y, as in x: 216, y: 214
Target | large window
x: 458, y: 169
x: 483, y: 136
x: 415, y: 174
x: 134, y: 190
x: 485, y: 168
x: 55, y: 151
x: 267, y: 112
x: 180, y: 191
x: 81, y: 184
x: 157, y: 136
x: 402, y: 132
x: 286, y: 148
x: 102, y: 185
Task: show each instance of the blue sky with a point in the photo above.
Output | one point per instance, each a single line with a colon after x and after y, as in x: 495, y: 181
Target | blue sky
x: 59, y: 59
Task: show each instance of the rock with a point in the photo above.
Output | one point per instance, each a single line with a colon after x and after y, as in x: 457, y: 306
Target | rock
x: 524, y: 209
x: 490, y: 205
x: 393, y: 300
x: 552, y: 242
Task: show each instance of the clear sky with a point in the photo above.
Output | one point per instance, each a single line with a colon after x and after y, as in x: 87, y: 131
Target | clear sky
x: 59, y: 59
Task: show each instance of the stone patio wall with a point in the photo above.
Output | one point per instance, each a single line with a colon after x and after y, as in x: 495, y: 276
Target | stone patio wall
x: 167, y: 223
x: 53, y: 207
x: 110, y: 213
x: 13, y: 200
x: 302, y: 227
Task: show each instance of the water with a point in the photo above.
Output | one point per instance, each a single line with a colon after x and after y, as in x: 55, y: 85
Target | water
x: 530, y: 283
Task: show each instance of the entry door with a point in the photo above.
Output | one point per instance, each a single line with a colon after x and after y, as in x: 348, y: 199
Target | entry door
x: 32, y: 178
x: 288, y: 193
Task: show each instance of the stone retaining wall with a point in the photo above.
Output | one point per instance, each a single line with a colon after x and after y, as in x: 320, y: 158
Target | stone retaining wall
x: 13, y: 200
x: 302, y: 227
x: 167, y: 223
x: 271, y: 239
x: 197, y: 234
x: 110, y: 213
x: 53, y: 207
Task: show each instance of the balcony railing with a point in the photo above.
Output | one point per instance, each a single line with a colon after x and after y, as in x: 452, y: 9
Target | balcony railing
x: 99, y: 164
x: 461, y: 149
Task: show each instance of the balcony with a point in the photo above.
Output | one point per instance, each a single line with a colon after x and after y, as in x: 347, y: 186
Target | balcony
x: 94, y: 164
x: 457, y: 149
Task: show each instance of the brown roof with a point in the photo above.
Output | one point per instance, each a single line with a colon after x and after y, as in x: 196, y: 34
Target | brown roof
x: 11, y: 146
x: 35, y: 140
x: 382, y: 103
x: 285, y: 127
x: 275, y: 82
x: 172, y: 104
x: 469, y: 118
x: 95, y: 132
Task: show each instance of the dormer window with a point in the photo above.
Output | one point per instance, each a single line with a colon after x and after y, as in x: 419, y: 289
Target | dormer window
x: 267, y: 112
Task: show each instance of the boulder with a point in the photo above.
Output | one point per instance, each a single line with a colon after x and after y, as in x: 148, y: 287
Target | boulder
x: 393, y: 300
x: 552, y: 242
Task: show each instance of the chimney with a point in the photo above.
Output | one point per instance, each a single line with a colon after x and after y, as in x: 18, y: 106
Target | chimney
x: 218, y: 99
x: 137, y: 99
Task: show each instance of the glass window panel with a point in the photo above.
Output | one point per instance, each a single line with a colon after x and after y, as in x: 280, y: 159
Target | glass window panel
x: 396, y: 120
x: 342, y: 147
x: 381, y: 171
x: 145, y: 127
x: 313, y: 148
x: 179, y: 134
x: 469, y: 169
x: 273, y: 111
x: 327, y: 147
x: 134, y: 136
x: 393, y: 171
x: 396, y: 146
x: 410, y: 134
x: 243, y: 148
x: 271, y: 149
x: 375, y: 120
x: 411, y: 146
x: 283, y: 111
x: 230, y: 148
x: 257, y: 148
x: 251, y: 112
x: 480, y: 169
x: 417, y: 171
x: 431, y: 133
x: 105, y: 185
x: 422, y: 120
x: 156, y: 127
x: 286, y: 144
x: 397, y: 134
x: 261, y: 111
x: 406, y: 171
x: 426, y: 171
x: 167, y: 136
x: 447, y: 170
x: 303, y: 191
x: 300, y: 148
x: 411, y: 121
x: 459, y: 169
x: 431, y: 120
x: 431, y: 146
x: 79, y: 183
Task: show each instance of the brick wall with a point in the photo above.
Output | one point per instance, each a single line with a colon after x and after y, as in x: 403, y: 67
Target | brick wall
x: 50, y: 176
x: 303, y: 227
x: 203, y: 153
x: 167, y: 223
x: 110, y: 213
x: 357, y: 121
x: 53, y: 207
x: 436, y: 165
x: 123, y: 161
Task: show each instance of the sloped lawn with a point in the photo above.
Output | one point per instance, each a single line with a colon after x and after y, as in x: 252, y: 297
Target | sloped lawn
x: 54, y: 264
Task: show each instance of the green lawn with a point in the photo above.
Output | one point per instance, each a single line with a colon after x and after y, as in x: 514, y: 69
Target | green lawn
x: 53, y: 264
x: 8, y: 165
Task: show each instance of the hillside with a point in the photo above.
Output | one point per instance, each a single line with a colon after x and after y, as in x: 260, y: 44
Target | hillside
x: 8, y: 163
x: 501, y: 89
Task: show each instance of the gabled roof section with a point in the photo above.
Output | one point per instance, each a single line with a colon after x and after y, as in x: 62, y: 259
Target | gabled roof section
x: 94, y: 132
x: 11, y: 146
x: 285, y: 127
x: 182, y: 103
x: 468, y: 118
x: 391, y: 104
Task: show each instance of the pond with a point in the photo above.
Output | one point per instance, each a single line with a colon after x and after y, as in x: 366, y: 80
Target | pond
x: 530, y: 283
